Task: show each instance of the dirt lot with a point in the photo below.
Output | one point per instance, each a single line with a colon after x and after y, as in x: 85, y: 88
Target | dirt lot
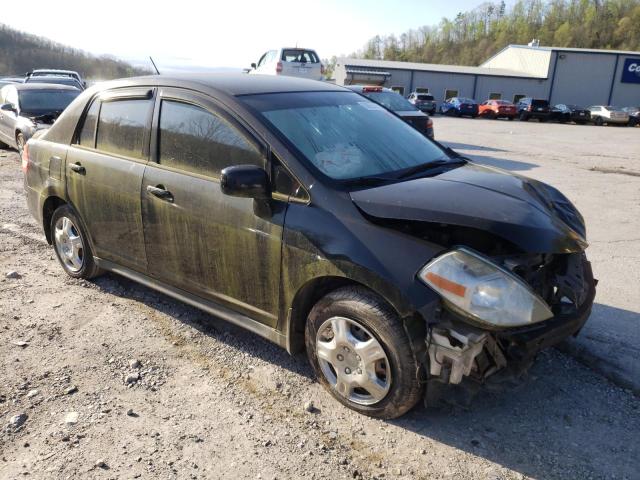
x: 108, y: 379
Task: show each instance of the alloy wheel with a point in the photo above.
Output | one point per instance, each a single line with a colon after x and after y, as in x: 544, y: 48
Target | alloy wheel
x: 69, y: 244
x: 353, y: 361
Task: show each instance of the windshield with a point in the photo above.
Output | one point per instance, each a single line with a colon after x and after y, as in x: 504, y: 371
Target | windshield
x: 391, y: 100
x: 425, y: 97
x: 466, y: 100
x: 343, y: 135
x: 45, y: 101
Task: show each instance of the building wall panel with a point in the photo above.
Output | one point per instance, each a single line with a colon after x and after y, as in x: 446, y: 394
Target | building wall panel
x: 582, y: 78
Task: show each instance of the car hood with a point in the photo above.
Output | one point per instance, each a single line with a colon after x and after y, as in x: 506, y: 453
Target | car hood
x: 530, y: 214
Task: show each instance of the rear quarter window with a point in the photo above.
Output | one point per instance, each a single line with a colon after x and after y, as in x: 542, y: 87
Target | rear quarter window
x: 87, y: 135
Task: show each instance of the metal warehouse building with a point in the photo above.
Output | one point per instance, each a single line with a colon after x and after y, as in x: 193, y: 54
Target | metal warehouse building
x: 561, y: 75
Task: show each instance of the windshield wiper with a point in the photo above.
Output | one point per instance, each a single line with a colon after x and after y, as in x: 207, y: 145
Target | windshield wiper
x: 423, y: 167
x: 372, y: 180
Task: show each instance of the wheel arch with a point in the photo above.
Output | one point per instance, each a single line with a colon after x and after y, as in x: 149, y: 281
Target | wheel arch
x: 51, y: 204
x: 312, y: 291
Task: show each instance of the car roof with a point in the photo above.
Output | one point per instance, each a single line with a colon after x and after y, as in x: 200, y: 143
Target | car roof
x: 42, y: 86
x: 54, y: 70
x: 232, y: 84
x: 57, y: 78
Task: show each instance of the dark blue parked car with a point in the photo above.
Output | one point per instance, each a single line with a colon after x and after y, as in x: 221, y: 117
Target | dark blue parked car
x: 459, y: 106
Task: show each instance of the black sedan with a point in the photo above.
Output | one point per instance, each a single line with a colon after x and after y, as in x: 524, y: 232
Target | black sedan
x: 314, y: 217
x: 564, y: 113
x: 398, y: 105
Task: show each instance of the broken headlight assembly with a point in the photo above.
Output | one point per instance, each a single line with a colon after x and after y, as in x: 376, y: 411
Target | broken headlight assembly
x: 474, y: 286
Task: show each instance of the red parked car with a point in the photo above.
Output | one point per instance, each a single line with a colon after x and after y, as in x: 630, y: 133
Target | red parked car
x: 497, y: 109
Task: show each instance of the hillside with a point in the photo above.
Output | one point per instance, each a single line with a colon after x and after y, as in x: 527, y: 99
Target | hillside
x: 474, y: 36
x: 21, y: 52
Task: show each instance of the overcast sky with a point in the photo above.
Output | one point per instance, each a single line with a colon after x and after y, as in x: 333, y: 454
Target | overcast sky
x: 223, y: 33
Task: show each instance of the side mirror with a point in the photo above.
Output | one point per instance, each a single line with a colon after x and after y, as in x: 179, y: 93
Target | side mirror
x: 247, y: 181
x: 8, y: 107
x: 254, y: 66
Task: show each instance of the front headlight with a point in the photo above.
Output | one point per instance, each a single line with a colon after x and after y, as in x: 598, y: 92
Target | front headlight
x: 484, y: 291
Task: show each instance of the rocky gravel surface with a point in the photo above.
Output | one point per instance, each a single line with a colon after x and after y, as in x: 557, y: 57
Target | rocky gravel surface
x: 109, y: 379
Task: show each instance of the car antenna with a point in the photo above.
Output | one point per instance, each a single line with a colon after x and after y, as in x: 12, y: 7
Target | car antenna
x: 154, y: 65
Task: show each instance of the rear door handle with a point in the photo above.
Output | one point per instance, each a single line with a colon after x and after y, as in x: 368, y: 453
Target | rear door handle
x: 160, y: 192
x: 76, y: 167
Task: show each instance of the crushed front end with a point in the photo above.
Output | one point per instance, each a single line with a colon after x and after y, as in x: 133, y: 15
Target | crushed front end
x: 460, y: 345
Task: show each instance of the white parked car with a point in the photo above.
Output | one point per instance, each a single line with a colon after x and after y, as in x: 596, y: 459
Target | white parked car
x: 601, y: 114
x: 52, y: 72
x: 291, y: 62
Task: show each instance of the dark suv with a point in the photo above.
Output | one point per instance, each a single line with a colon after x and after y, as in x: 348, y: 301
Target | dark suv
x: 533, y: 108
x: 313, y: 217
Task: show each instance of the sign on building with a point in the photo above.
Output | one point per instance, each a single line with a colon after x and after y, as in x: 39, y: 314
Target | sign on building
x: 631, y: 70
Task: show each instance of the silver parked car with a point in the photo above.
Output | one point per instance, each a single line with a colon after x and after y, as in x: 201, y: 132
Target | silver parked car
x: 28, y: 107
x: 424, y: 101
x: 290, y: 62
x: 601, y: 114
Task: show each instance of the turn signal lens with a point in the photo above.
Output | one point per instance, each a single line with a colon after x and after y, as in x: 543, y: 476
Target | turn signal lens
x: 475, y: 286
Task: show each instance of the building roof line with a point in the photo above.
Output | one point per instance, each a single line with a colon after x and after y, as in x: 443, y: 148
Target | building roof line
x: 435, y: 67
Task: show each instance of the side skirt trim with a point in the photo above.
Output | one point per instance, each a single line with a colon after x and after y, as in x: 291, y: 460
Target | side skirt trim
x: 210, y: 307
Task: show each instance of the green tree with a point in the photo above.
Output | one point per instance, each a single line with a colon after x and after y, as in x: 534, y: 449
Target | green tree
x: 472, y: 36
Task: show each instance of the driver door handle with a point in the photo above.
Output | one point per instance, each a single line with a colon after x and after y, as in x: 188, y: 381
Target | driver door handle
x: 160, y: 192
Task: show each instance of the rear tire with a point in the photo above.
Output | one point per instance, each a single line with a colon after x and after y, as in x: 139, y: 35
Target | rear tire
x: 362, y: 319
x: 599, y: 121
x: 71, y: 245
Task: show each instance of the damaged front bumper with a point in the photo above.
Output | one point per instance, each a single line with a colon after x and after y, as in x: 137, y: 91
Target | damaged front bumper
x: 457, y: 349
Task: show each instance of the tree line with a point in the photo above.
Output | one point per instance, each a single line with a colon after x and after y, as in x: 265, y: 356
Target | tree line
x: 473, y: 36
x: 21, y: 52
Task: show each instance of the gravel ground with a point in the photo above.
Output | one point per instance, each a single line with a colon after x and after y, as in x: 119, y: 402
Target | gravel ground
x: 108, y: 379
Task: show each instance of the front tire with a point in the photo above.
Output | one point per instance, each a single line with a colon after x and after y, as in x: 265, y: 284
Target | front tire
x: 360, y: 353
x: 71, y: 245
x: 523, y: 117
x: 20, y: 142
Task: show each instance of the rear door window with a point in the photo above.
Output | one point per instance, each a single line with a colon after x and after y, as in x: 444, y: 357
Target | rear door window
x: 195, y: 140
x: 299, y: 56
x: 122, y: 126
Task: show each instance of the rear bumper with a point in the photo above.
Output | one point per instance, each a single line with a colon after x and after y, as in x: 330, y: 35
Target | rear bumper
x: 536, y: 114
x: 33, y: 202
x: 621, y: 121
